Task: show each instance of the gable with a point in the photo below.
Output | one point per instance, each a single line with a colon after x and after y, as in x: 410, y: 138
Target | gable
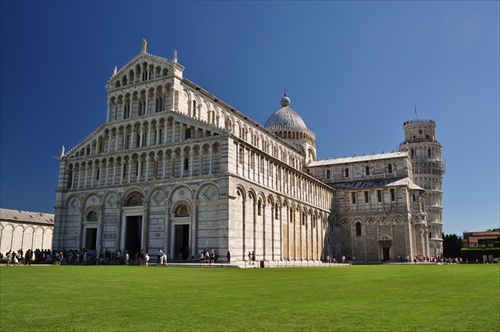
x: 142, y: 68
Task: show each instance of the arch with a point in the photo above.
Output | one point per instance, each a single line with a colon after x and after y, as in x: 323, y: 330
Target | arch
x: 135, y: 191
x: 134, y: 200
x: 91, y: 215
x: 358, y: 228
x: 180, y: 191
x: 91, y: 200
x: 182, y: 209
x: 240, y: 191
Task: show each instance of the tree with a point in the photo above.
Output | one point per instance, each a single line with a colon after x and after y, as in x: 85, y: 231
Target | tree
x: 451, y: 245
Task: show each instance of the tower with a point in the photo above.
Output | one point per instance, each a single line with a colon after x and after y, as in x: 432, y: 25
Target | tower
x: 428, y: 167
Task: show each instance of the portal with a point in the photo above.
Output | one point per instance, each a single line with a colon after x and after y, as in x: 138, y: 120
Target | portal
x: 181, y: 242
x: 386, y: 252
x: 133, y: 235
x: 90, y: 238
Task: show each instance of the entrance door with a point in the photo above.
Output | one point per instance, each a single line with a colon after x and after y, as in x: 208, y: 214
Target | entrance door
x: 90, y: 238
x: 387, y: 255
x: 133, y: 235
x: 181, y: 246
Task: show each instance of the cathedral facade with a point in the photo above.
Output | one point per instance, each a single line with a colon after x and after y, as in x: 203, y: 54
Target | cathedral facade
x: 175, y: 168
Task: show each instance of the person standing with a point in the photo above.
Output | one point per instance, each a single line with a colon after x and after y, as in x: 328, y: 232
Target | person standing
x: 253, y: 257
x: 164, y: 259
x: 159, y: 256
x: 27, y: 257
x: 127, y: 257
x: 228, y: 256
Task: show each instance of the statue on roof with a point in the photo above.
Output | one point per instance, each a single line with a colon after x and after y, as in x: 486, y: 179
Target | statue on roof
x: 144, y: 45
x: 175, y: 56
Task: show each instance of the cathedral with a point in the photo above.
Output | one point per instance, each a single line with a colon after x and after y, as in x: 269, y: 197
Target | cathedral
x: 174, y: 168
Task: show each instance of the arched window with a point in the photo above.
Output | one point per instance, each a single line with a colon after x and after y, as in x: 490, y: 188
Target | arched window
x: 358, y: 229
x: 346, y: 172
x: 159, y: 104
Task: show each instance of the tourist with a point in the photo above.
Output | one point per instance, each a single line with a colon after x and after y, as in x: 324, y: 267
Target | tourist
x: 228, y: 256
x: 159, y: 255
x: 27, y: 257
x: 164, y: 258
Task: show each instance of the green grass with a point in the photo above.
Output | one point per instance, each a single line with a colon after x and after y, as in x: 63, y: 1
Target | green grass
x: 349, y: 298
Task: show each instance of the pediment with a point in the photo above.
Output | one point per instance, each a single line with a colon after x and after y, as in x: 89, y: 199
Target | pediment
x: 143, y: 67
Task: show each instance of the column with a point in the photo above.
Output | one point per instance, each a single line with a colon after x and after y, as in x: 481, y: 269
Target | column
x: 264, y: 253
x: 157, y: 134
x: 191, y: 161
x: 173, y: 165
x: 145, y: 226
x: 118, y: 229
x: 141, y: 134
x: 139, y: 168
x: 79, y: 177
x: 100, y: 227
x: 183, y: 155
x: 194, y: 228
x: 114, y: 172
x: 129, y: 170
x: 212, y: 160
x: 86, y: 173
x: 107, y: 174
x: 109, y: 141
x: 93, y: 174
x: 124, y: 145
x: 164, y: 166
x: 122, y: 171
x: 173, y: 130
x: 148, y: 159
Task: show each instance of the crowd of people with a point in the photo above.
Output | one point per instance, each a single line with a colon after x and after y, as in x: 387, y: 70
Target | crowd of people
x: 92, y: 257
x: 20, y: 257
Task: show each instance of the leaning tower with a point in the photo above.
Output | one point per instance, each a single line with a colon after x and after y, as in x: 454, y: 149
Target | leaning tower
x: 428, y: 169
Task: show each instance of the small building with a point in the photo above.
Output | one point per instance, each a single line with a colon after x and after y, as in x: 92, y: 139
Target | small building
x: 483, y: 239
x: 25, y: 230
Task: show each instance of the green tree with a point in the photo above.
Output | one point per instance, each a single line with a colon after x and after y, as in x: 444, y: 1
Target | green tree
x: 451, y: 245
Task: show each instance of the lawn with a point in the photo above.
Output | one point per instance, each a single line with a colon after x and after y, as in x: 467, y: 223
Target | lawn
x: 340, y: 298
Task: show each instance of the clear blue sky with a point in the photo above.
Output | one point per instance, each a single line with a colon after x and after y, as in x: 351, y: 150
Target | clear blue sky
x: 353, y: 70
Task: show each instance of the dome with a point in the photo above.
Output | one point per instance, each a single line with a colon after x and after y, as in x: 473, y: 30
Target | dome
x: 285, y: 117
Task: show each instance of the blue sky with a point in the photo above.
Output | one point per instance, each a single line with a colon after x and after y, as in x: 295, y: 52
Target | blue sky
x: 354, y: 71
